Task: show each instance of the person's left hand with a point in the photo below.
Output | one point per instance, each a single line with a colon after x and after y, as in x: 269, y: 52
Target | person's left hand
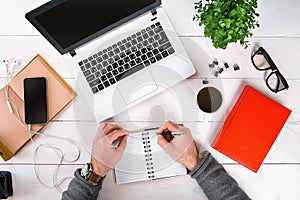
x: 104, y: 155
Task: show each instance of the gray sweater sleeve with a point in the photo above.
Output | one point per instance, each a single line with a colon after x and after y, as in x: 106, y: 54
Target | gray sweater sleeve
x: 214, y: 180
x: 81, y: 189
x: 209, y: 174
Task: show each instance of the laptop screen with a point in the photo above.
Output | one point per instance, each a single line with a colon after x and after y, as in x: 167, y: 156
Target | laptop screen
x: 70, y: 23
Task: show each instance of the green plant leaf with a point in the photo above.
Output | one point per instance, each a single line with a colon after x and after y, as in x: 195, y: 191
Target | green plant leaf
x: 227, y: 21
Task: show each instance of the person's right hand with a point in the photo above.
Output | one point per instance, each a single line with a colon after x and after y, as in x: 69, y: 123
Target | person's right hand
x: 182, y: 147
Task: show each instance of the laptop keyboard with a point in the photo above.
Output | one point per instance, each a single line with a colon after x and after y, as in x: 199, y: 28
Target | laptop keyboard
x: 126, y: 57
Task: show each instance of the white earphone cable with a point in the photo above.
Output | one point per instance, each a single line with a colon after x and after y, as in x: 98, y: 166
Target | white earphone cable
x: 58, y: 151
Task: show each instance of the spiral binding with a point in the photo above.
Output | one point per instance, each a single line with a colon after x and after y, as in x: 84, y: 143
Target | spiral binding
x: 148, y: 155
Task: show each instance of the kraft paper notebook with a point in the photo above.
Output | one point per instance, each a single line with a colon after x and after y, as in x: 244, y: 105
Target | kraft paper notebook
x: 251, y: 128
x: 144, y: 159
x: 13, y: 136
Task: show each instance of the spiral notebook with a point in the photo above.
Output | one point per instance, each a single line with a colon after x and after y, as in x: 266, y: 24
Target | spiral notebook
x: 144, y: 159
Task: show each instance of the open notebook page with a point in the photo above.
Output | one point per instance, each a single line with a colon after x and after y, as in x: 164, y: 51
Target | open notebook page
x: 133, y: 166
x: 163, y: 164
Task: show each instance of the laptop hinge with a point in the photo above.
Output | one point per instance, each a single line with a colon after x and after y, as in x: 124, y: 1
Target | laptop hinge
x: 154, y: 12
x: 73, y: 53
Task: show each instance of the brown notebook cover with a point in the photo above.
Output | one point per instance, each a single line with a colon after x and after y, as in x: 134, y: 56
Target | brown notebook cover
x: 13, y: 136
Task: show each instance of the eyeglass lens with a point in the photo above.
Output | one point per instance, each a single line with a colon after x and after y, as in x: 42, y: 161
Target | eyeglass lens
x: 260, y: 62
x: 275, y: 82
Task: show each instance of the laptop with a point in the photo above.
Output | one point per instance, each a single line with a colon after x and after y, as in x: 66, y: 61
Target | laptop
x: 121, y: 51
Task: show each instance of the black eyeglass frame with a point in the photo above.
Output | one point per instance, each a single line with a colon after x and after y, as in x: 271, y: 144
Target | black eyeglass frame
x: 273, y: 67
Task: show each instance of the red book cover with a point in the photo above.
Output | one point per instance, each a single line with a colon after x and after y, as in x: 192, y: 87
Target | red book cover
x: 251, y: 128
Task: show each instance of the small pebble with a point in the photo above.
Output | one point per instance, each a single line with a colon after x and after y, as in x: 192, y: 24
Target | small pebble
x: 215, y: 62
x: 226, y: 65
x: 205, y: 81
x: 220, y: 70
x: 216, y: 73
x: 236, y: 67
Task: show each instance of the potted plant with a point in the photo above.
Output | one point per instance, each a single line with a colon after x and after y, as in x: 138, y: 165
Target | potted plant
x: 227, y: 21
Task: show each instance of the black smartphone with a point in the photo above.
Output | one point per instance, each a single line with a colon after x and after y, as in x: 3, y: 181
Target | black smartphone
x: 35, y: 100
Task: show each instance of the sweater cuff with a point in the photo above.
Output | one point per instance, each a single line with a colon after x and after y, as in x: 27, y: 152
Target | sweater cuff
x: 77, y: 174
x: 206, y: 156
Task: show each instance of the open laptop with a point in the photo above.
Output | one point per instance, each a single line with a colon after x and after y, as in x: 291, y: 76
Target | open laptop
x: 122, y: 51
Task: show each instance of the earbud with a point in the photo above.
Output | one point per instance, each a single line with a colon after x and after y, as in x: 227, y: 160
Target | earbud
x: 16, y: 63
x: 6, y: 63
x: 10, y: 66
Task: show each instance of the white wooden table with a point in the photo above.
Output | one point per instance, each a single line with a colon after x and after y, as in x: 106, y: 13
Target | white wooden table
x: 278, y: 177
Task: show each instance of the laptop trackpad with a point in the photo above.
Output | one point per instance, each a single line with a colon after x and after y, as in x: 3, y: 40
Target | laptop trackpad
x: 137, y: 86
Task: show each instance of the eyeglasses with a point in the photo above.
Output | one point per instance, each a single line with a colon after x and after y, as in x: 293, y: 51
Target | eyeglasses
x: 263, y: 62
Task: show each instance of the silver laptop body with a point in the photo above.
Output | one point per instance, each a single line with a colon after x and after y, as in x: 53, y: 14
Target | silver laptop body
x: 113, y: 78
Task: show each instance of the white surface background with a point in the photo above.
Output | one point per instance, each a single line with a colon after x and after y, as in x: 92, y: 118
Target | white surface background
x: 278, y: 177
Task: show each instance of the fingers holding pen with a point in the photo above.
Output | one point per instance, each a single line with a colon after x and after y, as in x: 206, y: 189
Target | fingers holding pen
x: 168, y: 126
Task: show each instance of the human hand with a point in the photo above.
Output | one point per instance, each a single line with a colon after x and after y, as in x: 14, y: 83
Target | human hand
x: 182, y: 147
x: 104, y: 155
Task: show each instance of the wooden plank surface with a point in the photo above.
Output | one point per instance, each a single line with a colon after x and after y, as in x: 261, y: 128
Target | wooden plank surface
x: 279, y: 176
x: 274, y: 182
x: 284, y: 151
x: 276, y: 18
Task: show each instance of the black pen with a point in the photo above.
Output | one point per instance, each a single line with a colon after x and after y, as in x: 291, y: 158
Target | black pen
x: 173, y: 133
x: 178, y: 133
x: 117, y: 142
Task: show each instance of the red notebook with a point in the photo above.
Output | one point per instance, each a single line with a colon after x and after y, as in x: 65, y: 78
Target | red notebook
x: 251, y: 128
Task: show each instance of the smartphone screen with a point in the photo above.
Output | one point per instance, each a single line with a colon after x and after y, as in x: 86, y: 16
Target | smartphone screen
x: 35, y: 100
